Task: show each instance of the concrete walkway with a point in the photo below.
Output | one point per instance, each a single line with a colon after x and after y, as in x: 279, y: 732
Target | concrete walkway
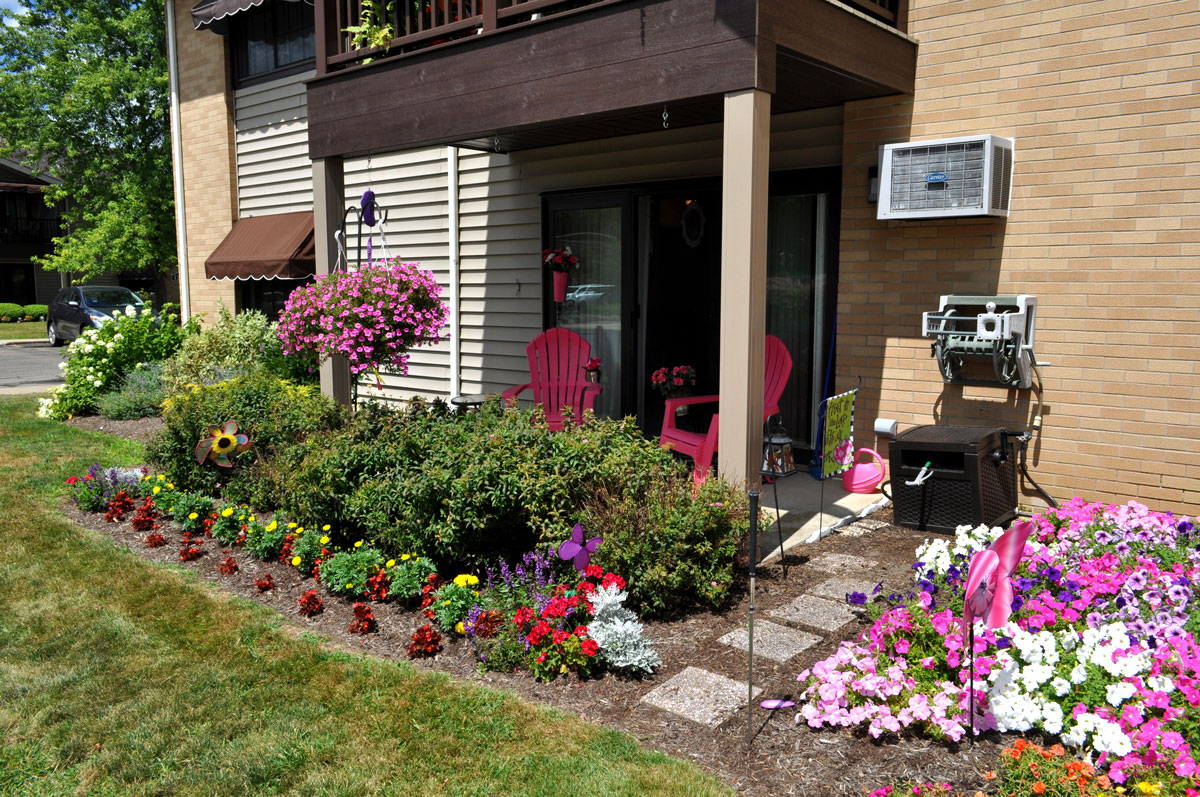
x: 810, y: 510
x: 710, y: 698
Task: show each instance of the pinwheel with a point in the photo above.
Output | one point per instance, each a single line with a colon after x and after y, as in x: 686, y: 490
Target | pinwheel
x: 989, y: 592
x: 576, y: 549
x: 222, y: 442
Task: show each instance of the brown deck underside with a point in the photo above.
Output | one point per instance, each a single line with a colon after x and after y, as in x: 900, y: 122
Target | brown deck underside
x: 606, y: 73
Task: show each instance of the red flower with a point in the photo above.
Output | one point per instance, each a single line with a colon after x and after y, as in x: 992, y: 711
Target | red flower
x: 538, y: 633
x: 309, y: 604
x: 425, y: 642
x: 613, y: 578
x: 265, y: 583
x: 589, y: 647
x: 228, y: 567
x: 594, y: 571
x: 155, y: 540
x: 523, y: 615
x: 364, y: 619
x: 560, y: 637
x: 541, y: 659
x: 581, y: 631
x: 73, y: 480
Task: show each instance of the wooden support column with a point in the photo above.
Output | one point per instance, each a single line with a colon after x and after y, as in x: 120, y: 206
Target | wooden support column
x: 747, y: 144
x: 329, y: 200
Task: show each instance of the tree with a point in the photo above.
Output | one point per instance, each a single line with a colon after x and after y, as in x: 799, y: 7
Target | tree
x: 83, y: 96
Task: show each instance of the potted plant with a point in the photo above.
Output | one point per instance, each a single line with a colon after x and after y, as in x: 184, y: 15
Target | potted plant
x: 675, y: 382
x: 592, y: 369
x: 560, y: 261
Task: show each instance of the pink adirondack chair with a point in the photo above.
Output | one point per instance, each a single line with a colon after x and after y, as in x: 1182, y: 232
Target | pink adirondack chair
x: 701, y: 447
x: 556, y: 375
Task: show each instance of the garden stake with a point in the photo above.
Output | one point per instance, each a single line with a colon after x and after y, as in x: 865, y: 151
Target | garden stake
x: 971, y: 682
x: 753, y: 558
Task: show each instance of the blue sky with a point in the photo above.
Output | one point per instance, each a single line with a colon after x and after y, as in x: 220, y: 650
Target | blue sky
x: 11, y: 5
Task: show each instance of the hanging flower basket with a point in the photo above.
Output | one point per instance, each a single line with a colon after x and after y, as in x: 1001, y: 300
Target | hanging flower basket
x: 371, y: 317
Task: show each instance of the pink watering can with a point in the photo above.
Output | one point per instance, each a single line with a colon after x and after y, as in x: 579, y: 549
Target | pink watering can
x: 864, y: 477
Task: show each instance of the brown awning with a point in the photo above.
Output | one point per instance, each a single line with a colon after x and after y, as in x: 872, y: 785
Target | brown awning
x: 27, y: 187
x: 210, y: 11
x: 266, y: 247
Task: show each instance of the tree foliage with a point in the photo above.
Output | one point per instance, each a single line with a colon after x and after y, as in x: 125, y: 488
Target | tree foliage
x: 83, y: 97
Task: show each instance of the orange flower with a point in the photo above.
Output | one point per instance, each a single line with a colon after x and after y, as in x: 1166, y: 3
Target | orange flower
x: 1057, y: 750
x: 1039, y: 788
x: 989, y: 775
x: 1104, y: 782
x: 1044, y: 754
x: 1020, y: 745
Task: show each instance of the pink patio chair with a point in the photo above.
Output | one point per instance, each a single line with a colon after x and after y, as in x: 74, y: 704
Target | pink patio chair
x: 701, y: 447
x: 556, y: 375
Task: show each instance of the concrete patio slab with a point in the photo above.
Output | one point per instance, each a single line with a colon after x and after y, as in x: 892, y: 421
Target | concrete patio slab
x: 700, y: 696
x: 842, y: 564
x: 776, y: 642
x: 806, y: 513
x: 838, y: 588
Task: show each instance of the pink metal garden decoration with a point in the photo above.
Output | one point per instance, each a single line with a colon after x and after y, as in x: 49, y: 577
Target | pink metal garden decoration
x: 989, y: 592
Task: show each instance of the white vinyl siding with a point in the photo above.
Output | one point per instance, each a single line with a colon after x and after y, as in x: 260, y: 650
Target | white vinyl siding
x: 410, y: 187
x: 500, y: 237
x: 274, y: 173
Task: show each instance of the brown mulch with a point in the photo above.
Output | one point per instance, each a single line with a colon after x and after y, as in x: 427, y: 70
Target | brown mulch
x: 141, y: 429
x: 783, y: 758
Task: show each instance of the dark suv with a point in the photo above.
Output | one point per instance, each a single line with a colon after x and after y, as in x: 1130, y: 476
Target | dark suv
x: 75, y: 309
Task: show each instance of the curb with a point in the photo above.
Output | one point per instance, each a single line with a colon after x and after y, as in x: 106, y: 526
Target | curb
x: 22, y: 341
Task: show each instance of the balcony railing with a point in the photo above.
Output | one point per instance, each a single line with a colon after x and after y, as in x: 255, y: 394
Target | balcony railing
x: 28, y: 231
x: 419, y: 24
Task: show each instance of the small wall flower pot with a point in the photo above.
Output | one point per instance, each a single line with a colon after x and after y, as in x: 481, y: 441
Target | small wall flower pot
x: 592, y: 376
x: 560, y: 286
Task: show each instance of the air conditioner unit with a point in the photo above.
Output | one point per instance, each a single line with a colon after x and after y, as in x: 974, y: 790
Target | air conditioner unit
x: 949, y: 177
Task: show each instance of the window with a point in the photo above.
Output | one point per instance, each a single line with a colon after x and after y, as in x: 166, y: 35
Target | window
x: 267, y: 296
x: 277, y: 38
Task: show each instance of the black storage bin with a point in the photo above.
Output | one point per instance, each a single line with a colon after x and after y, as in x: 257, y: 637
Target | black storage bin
x: 974, y: 477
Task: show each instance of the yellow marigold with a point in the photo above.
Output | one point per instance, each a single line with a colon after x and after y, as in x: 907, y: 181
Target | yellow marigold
x: 358, y: 544
x: 162, y: 478
x: 391, y: 563
x: 461, y: 579
x: 252, y: 518
x: 349, y: 585
x: 458, y: 627
x: 405, y: 557
x: 192, y: 516
x: 170, y: 486
x: 227, y: 511
x: 156, y: 490
x: 291, y: 525
x: 325, y: 527
x: 300, y: 530
x: 445, y: 603
x: 324, y: 540
x: 274, y: 524
x: 296, y: 561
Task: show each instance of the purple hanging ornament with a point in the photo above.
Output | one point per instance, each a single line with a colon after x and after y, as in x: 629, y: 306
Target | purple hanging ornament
x: 368, y: 207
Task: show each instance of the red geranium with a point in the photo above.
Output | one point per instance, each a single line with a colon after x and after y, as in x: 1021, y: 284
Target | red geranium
x: 309, y: 604
x: 364, y: 619
x: 265, y: 583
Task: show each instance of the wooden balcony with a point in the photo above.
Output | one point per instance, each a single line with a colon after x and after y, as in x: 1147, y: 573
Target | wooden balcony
x: 513, y: 74
x: 418, y: 24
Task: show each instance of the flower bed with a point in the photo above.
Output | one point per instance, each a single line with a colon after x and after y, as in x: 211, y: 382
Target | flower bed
x: 540, y: 616
x: 1100, y: 650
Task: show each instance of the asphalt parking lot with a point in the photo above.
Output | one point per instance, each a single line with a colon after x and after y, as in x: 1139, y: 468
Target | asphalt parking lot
x: 29, y: 367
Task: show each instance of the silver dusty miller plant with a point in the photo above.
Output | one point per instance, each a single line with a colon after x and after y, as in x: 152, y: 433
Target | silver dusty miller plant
x: 619, y: 634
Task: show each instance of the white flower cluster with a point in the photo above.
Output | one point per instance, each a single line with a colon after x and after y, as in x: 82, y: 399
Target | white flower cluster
x: 618, y: 633
x: 1106, y: 736
x: 1016, y: 695
x: 940, y: 553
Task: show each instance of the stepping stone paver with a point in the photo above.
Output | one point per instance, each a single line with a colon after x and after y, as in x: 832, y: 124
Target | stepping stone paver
x: 870, y: 525
x: 701, y: 696
x: 839, y: 588
x: 817, y: 612
x: 776, y: 642
x: 840, y: 563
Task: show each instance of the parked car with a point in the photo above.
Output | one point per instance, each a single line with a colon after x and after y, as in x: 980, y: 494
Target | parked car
x: 590, y: 293
x: 75, y: 309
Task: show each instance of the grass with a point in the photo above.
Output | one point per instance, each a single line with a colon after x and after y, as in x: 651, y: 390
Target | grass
x: 123, y: 676
x: 21, y: 330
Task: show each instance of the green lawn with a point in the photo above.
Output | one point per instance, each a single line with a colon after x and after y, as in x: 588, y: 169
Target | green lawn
x: 22, y: 330
x: 123, y: 676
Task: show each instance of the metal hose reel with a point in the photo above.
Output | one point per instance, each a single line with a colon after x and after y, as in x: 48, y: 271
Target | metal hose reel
x: 971, y: 333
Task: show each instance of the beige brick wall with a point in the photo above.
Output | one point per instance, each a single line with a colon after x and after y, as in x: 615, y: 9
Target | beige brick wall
x: 208, y: 154
x: 1103, y: 100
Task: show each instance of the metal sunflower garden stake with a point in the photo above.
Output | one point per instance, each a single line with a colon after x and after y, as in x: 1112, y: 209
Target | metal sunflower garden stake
x: 222, y: 442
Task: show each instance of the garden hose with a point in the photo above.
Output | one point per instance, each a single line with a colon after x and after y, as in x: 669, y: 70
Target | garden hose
x: 1026, y: 437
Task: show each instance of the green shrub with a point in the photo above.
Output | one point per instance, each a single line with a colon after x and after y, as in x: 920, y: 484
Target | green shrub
x: 496, y: 483
x: 230, y: 522
x: 408, y: 574
x: 35, y: 311
x: 673, y: 547
x: 235, y: 345
x: 139, y: 396
x: 10, y: 311
x: 190, y: 510
x: 346, y: 572
x: 273, y: 412
x: 98, y: 359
